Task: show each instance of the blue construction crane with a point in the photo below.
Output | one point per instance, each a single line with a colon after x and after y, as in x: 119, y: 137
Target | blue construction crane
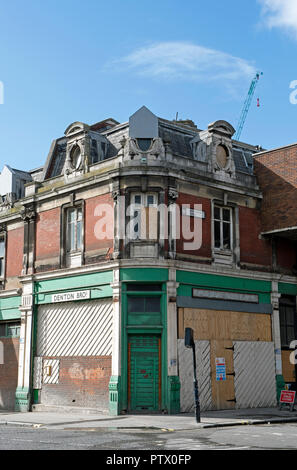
x: 247, y: 105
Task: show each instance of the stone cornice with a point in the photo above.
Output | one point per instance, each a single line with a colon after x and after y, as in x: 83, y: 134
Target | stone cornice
x: 10, y: 293
x: 165, y: 264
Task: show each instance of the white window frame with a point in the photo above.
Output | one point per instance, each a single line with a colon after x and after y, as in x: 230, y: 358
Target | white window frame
x: 76, y: 222
x: 14, y: 327
x: 72, y: 257
x: 221, y: 248
x: 143, y: 197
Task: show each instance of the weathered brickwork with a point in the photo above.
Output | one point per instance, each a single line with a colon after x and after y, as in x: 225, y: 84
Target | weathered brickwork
x: 48, y: 240
x: 277, y: 177
x: 253, y: 249
x: 99, y: 236
x: 14, y: 247
x: 205, y: 250
x: 83, y: 382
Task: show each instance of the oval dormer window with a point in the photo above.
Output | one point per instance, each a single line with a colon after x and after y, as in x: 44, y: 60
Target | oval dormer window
x: 144, y: 144
x: 76, y: 158
x: 222, y: 156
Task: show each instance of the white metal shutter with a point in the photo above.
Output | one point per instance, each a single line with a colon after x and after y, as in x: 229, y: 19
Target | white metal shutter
x: 254, y: 379
x: 75, y: 329
x: 185, y: 364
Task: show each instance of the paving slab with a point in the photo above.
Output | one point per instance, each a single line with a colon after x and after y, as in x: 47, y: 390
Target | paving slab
x: 161, y: 422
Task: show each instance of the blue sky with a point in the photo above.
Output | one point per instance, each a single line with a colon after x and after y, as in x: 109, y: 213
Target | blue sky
x: 67, y: 60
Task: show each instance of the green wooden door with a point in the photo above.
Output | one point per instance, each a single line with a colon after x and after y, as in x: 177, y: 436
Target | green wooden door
x: 144, y: 381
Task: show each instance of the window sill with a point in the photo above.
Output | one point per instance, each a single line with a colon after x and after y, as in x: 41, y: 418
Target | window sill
x: 74, y: 259
x: 223, y: 257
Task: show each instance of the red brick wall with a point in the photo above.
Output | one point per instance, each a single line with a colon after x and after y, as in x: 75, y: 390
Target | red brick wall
x: 9, y: 373
x: 48, y: 234
x: 92, y: 243
x: 252, y: 248
x: 277, y: 176
x: 14, y: 256
x: 205, y: 250
x: 83, y: 382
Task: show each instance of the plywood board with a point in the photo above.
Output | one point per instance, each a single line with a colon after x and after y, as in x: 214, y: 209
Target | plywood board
x: 222, y: 391
x: 225, y: 325
x: 287, y: 367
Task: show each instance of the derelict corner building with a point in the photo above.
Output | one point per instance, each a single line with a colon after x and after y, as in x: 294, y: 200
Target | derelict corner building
x: 98, y: 322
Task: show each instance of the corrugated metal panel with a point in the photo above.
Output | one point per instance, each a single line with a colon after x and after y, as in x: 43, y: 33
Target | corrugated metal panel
x: 75, y: 329
x: 254, y: 379
x: 185, y: 361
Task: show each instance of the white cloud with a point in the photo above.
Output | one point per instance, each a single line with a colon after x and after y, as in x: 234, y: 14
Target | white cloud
x: 187, y: 61
x: 280, y: 14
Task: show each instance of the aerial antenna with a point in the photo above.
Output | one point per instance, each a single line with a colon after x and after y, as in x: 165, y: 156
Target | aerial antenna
x: 247, y: 105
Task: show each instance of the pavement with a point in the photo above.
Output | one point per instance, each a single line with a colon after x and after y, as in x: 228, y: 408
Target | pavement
x: 64, y: 418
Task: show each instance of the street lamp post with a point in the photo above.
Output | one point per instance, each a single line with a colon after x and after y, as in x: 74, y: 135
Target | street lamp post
x: 190, y: 344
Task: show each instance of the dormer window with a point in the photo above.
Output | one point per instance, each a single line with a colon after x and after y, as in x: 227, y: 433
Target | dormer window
x: 94, y: 152
x: 222, y: 156
x: 98, y: 150
x: 144, y: 144
x: 76, y: 158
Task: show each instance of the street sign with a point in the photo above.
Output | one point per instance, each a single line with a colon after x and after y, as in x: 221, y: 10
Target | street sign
x: 287, y: 396
x: 71, y: 296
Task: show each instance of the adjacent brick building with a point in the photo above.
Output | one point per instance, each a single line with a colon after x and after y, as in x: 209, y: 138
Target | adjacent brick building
x: 277, y: 176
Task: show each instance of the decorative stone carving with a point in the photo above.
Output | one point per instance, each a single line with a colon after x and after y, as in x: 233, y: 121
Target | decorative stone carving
x: 133, y: 151
x: 115, y: 194
x: 7, y: 202
x: 3, y: 227
x: 222, y: 159
x: 28, y: 213
x: 172, y: 195
x: 214, y: 147
x: 76, y: 157
x: 78, y: 149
